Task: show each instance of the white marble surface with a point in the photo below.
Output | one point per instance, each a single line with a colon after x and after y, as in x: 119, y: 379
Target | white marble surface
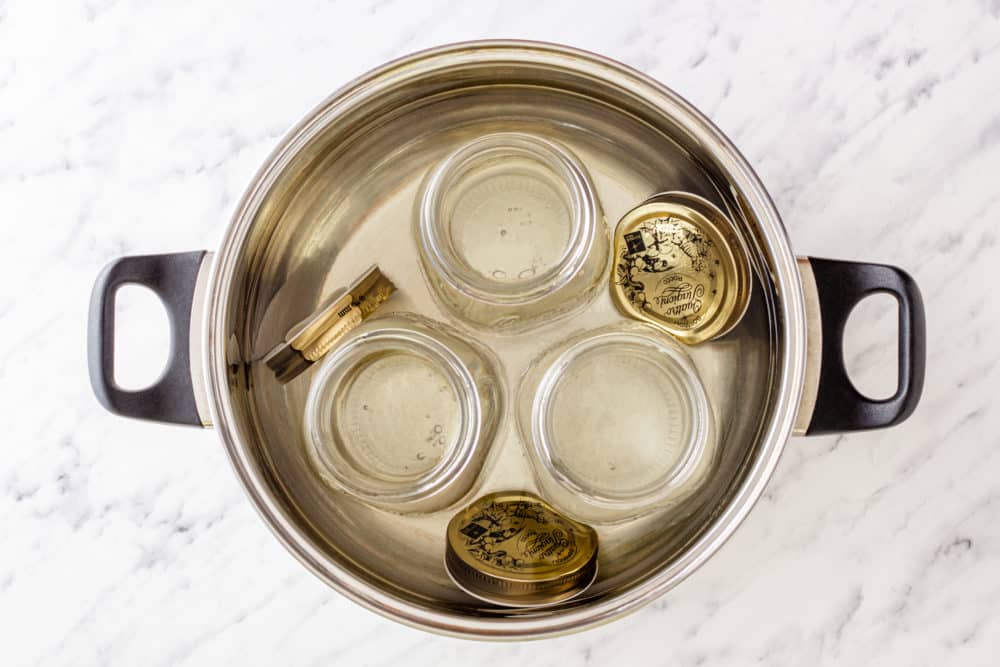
x: 132, y: 127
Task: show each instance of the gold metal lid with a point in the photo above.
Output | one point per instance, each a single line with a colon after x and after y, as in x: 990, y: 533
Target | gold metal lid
x: 681, y: 266
x: 513, y: 549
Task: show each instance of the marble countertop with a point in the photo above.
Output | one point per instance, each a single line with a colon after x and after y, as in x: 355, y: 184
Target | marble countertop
x: 131, y: 127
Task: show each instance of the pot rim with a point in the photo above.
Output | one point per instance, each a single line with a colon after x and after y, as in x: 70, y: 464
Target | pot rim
x: 787, y: 384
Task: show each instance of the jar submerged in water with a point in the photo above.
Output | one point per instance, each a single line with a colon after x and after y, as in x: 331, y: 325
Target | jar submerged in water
x: 617, y: 423
x: 510, y: 232
x: 402, y: 414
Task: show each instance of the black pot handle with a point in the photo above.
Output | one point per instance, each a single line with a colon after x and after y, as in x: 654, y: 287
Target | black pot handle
x: 839, y: 406
x: 173, y: 278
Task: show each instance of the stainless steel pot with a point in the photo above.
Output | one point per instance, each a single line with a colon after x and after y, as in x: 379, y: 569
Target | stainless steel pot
x: 309, y: 221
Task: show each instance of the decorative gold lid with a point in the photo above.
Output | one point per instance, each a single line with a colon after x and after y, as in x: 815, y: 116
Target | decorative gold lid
x: 681, y: 266
x: 513, y: 549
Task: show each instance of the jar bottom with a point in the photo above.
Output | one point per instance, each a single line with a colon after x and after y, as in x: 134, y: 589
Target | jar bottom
x: 511, y: 223
x: 395, y: 417
x: 618, y: 423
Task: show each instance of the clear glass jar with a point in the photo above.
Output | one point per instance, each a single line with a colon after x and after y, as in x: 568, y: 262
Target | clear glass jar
x: 401, y: 414
x: 510, y: 232
x: 616, y: 423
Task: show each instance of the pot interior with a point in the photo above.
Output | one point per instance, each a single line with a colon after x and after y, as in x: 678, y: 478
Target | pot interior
x: 342, y: 197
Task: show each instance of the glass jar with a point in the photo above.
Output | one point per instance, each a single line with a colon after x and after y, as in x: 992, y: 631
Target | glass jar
x: 616, y: 423
x: 510, y: 232
x: 402, y: 413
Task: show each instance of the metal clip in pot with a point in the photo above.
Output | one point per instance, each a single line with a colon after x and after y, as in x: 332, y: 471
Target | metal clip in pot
x: 310, y: 339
